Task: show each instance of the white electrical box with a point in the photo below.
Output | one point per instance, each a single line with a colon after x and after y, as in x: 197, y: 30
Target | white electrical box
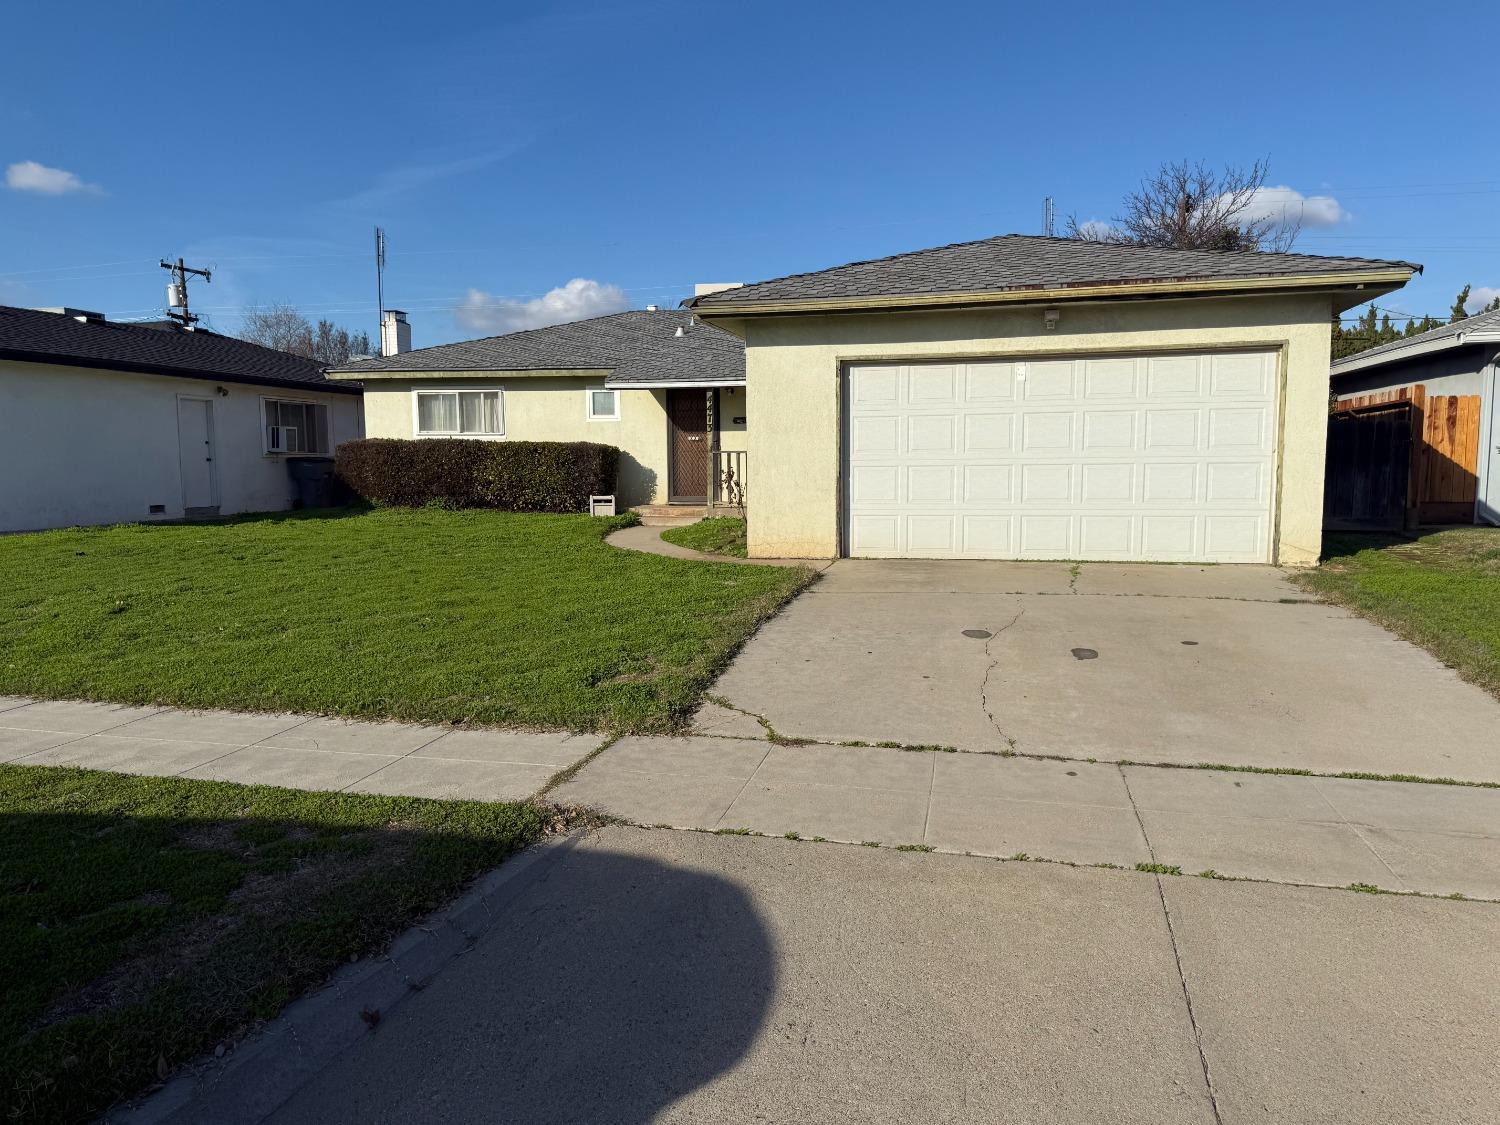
x: 601, y: 505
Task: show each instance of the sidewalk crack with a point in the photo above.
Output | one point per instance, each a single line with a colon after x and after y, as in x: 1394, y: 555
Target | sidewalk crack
x: 1349, y: 824
x: 1187, y: 995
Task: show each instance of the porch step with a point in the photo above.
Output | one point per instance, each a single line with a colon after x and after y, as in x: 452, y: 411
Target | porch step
x: 670, y: 515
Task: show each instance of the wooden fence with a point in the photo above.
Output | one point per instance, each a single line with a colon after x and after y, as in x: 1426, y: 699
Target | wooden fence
x: 1443, y: 480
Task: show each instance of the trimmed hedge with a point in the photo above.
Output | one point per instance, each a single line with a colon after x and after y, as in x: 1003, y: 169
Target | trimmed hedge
x: 513, y: 476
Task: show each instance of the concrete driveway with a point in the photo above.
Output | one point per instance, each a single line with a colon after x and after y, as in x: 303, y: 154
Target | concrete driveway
x: 1177, y: 664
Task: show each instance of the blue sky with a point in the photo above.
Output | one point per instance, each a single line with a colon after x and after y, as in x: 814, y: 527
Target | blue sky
x: 509, y: 149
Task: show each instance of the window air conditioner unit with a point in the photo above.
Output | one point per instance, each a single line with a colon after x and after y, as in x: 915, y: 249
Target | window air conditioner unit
x: 282, y: 439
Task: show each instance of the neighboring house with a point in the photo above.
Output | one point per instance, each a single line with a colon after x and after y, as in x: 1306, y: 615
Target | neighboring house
x: 668, y: 391
x: 106, y: 423
x: 1028, y: 397
x: 1460, y: 364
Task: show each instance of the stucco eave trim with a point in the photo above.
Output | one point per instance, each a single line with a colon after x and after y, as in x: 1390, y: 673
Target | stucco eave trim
x: 1117, y: 291
x: 130, y: 368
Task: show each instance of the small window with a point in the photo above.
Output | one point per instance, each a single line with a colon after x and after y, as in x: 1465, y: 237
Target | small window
x: 461, y: 413
x: 604, y: 406
x: 295, y: 427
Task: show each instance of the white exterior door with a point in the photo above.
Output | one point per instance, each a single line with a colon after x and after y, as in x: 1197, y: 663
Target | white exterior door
x: 195, y: 452
x: 1153, y: 458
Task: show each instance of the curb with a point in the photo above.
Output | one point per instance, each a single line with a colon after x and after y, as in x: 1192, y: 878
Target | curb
x: 261, y: 1074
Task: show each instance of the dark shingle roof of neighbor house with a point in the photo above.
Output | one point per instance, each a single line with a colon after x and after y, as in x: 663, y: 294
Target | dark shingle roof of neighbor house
x: 52, y: 337
x: 640, y: 346
x: 1481, y: 328
x: 1019, y: 261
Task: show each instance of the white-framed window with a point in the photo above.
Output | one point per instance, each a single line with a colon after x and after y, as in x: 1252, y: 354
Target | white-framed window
x: 603, y: 404
x: 292, y: 425
x: 459, y: 413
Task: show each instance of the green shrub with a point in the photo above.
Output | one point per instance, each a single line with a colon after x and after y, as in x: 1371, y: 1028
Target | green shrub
x: 513, y: 476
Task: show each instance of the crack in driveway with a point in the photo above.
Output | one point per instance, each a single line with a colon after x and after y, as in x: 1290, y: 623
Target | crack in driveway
x: 984, y: 684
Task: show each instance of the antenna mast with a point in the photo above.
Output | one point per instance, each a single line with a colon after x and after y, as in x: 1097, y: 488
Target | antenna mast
x: 379, y: 281
x: 177, y: 290
x: 1047, y: 216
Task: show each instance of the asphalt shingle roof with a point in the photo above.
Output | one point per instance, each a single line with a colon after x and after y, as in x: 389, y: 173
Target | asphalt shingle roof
x: 1019, y: 261
x: 640, y: 346
x: 49, y: 337
x: 1486, y: 322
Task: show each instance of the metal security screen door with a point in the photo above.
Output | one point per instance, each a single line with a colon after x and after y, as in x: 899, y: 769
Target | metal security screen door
x: 1149, y: 457
x: 687, y: 436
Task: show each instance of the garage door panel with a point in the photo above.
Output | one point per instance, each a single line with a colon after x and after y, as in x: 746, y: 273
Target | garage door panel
x: 1108, y: 429
x: 1109, y: 379
x: 931, y: 484
x: 1166, y: 457
x: 989, y: 432
x: 1047, y: 432
x: 933, y: 385
x: 989, y: 382
x: 931, y: 433
x: 1046, y: 484
x: 988, y: 484
x: 1048, y: 380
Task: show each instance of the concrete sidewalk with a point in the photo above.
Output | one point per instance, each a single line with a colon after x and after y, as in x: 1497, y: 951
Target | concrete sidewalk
x: 678, y: 977
x: 299, y: 751
x: 1437, y: 839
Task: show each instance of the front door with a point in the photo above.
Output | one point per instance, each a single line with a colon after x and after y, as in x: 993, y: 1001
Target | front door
x: 195, y: 453
x: 687, y: 446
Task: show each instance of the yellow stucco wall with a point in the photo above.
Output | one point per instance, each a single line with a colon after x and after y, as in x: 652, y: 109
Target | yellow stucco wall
x: 548, y: 408
x: 794, y: 364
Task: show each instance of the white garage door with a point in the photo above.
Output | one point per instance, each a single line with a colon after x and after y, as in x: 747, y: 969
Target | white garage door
x: 1165, y: 457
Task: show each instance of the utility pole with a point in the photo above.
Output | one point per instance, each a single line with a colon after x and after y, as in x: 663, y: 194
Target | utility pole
x: 177, y: 290
x: 1047, y: 216
x: 379, y: 283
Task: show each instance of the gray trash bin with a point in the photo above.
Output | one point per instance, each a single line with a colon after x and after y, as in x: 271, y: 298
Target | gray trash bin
x: 312, y: 480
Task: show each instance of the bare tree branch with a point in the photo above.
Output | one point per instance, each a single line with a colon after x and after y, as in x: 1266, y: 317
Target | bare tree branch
x: 1187, y: 206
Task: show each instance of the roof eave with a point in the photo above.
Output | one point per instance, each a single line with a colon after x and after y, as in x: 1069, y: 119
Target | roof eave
x: 1382, y: 280
x: 134, y: 368
x: 1413, y: 350
x: 470, y: 373
x: 670, y: 384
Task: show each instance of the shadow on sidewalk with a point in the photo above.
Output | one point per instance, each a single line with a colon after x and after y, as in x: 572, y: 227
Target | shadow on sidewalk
x: 616, y: 985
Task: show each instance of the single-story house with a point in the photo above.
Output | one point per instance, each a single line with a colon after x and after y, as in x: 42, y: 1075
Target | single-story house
x: 103, y: 422
x: 1044, y: 398
x: 665, y: 389
x: 1459, y: 364
x: 1015, y: 397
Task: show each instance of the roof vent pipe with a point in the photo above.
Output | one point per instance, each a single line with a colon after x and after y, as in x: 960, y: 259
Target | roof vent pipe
x: 679, y: 332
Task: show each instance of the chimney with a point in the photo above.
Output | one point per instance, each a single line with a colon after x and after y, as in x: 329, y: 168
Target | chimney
x: 704, y: 288
x: 395, y: 333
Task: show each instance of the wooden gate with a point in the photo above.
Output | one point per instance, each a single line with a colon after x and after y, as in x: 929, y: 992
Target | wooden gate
x: 1442, y: 482
x: 1369, y: 461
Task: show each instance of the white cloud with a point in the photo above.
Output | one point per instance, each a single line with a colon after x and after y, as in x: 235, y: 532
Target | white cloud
x: 1480, y: 296
x: 28, y: 175
x: 1290, y: 206
x: 579, y: 299
x: 1095, y: 230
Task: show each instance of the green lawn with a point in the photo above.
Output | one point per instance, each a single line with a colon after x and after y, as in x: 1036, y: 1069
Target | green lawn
x: 144, y: 920
x: 528, y: 620
x: 720, y: 535
x: 1441, y: 591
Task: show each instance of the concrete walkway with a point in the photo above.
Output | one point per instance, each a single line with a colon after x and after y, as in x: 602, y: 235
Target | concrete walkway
x: 677, y: 977
x: 299, y: 751
x: 1436, y: 839
x: 649, y: 540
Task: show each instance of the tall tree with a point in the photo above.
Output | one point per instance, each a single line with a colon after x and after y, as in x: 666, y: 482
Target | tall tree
x: 1369, y: 331
x: 1187, y: 206
x: 282, y: 327
x: 1458, y: 311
